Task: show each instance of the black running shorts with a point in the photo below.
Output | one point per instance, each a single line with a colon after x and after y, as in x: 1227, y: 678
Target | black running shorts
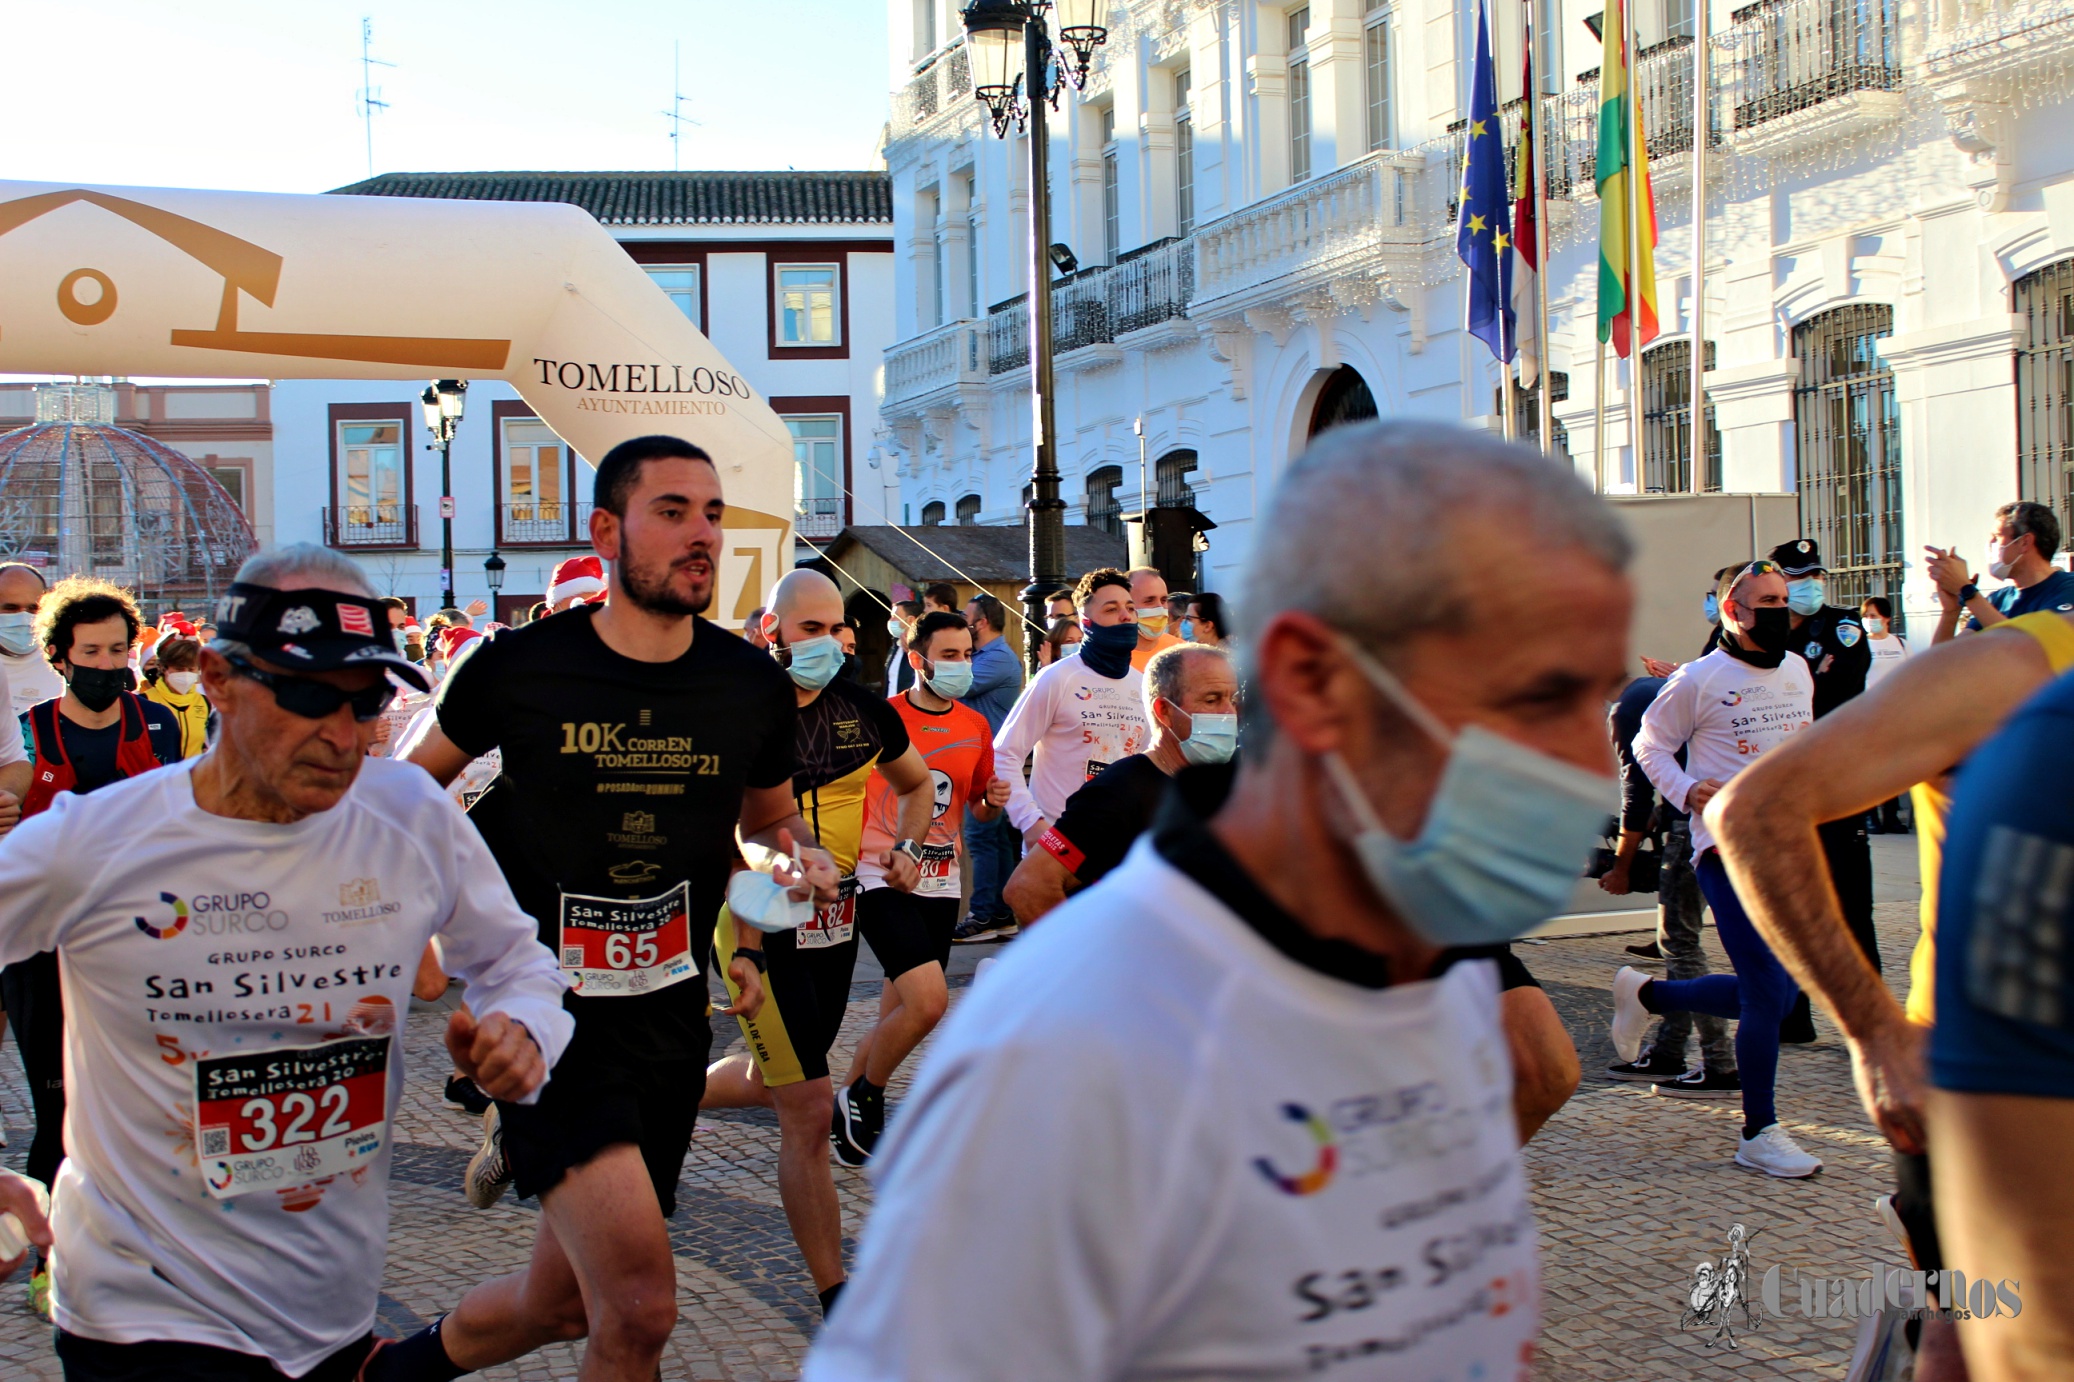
x: 806, y: 991
x: 92, y: 1360
x: 612, y: 1087
x: 905, y: 930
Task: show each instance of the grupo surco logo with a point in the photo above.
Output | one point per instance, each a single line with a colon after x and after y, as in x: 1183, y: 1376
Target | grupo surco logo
x: 1320, y: 1175
x: 687, y: 391
x: 170, y: 929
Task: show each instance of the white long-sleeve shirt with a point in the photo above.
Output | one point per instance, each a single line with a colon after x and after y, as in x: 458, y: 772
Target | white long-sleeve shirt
x: 234, y: 994
x: 1077, y: 722
x: 1724, y: 713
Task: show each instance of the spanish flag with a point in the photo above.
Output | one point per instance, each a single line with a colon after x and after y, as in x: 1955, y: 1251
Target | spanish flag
x: 1623, y: 171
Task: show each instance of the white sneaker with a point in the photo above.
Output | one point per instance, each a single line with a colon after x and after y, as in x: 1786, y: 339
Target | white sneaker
x: 1774, y: 1152
x: 1630, y: 1018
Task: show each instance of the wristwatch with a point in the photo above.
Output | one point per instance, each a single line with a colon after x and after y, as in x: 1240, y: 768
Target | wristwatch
x: 1968, y: 593
x: 754, y: 957
x: 911, y: 849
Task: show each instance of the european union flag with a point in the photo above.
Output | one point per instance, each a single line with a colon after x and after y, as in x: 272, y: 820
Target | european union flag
x: 1483, y: 234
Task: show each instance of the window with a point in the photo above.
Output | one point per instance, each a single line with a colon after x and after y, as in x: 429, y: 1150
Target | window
x: 932, y: 514
x: 807, y: 313
x: 1667, y: 422
x: 817, y: 474
x: 2045, y: 391
x: 1849, y: 450
x: 535, y: 503
x: 1299, y: 95
x: 232, y: 478
x: 1376, y: 40
x: 1526, y: 412
x: 371, y: 505
x: 1104, y: 509
x: 1171, y: 474
x: 968, y: 511
x: 680, y: 284
x: 971, y: 247
x: 1678, y: 19
x: 1184, y: 153
x: 931, y: 201
x: 1112, y: 211
x: 925, y: 28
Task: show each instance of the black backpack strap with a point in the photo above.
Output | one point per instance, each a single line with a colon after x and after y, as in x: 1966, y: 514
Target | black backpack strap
x: 43, y: 728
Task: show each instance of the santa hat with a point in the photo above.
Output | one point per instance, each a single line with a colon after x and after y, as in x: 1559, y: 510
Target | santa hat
x: 574, y: 577
x: 452, y: 637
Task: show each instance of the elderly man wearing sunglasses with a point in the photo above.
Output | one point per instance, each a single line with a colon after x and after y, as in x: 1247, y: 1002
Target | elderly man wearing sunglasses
x: 239, y: 933
x: 1720, y: 713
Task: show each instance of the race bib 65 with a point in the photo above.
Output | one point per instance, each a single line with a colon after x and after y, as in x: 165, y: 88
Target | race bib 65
x: 612, y: 947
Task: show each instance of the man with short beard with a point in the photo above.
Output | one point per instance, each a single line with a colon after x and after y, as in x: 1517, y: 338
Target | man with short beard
x: 639, y: 742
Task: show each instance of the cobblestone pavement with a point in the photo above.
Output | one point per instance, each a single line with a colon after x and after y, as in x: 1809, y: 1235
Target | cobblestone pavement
x: 1632, y: 1191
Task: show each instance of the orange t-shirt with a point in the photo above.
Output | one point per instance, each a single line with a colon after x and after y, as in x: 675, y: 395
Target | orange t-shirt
x: 1143, y: 653
x: 958, y: 748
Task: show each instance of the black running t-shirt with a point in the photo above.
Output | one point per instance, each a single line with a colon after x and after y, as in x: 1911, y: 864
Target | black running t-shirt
x: 621, y: 787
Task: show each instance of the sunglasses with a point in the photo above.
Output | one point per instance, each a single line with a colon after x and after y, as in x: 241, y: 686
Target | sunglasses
x: 318, y: 700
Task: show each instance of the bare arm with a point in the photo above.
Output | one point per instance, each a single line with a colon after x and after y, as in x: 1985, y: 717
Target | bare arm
x: 431, y: 750
x: 1920, y: 720
x: 14, y: 785
x: 769, y: 829
x: 1545, y: 1070
x: 1038, y: 884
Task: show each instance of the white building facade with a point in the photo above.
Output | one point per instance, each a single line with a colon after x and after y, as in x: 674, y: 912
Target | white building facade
x: 789, y: 274
x: 1261, y: 197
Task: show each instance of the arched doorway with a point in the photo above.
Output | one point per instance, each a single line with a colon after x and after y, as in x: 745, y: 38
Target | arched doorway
x: 1345, y: 398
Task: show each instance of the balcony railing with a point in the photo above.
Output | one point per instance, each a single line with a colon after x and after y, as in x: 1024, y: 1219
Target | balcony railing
x: 371, y: 525
x: 817, y: 518
x: 1008, y: 335
x: 1366, y: 206
x: 1784, y: 56
x: 944, y: 79
x: 1093, y: 307
x: 1151, y: 285
x: 948, y: 355
x: 543, y: 523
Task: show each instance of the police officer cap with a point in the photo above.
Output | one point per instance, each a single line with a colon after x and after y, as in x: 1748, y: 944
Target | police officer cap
x: 1799, y: 557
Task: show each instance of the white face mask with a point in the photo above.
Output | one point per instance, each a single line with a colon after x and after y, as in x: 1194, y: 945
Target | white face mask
x: 2004, y: 562
x: 182, y: 682
x: 1875, y: 626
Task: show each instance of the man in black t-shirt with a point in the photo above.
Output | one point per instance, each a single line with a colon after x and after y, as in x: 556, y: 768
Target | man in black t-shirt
x: 843, y: 733
x: 638, y: 742
x: 1191, y: 698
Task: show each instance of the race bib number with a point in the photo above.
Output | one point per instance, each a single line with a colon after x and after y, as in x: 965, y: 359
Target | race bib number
x: 939, y: 871
x: 273, y: 1120
x: 833, y: 924
x: 612, y: 947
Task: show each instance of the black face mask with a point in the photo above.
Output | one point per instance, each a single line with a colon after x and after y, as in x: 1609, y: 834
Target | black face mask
x: 97, y: 687
x: 1771, y: 630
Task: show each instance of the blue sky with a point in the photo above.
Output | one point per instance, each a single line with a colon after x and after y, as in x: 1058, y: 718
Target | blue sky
x: 260, y: 94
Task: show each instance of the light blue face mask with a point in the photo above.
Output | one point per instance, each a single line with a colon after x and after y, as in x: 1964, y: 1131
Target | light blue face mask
x: 814, y: 661
x: 1505, y: 839
x: 950, y: 680
x: 1712, y: 606
x: 1805, y: 596
x: 17, y: 633
x: 1186, y: 628
x: 1211, y: 738
x: 755, y: 899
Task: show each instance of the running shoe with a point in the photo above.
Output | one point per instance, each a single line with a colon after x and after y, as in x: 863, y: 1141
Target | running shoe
x: 1649, y: 1070
x: 1647, y: 950
x: 852, y: 1129
x: 39, y: 1291
x: 1890, y: 1218
x: 488, y: 1170
x: 1699, y: 1084
x: 974, y: 930
x: 462, y: 1094
x: 1774, y: 1152
x: 1630, y: 1018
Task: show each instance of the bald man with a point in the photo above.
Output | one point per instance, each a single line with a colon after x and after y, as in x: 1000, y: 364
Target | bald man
x: 844, y: 733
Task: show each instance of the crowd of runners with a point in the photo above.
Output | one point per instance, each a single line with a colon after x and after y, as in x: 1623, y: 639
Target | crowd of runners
x: 1245, y: 1097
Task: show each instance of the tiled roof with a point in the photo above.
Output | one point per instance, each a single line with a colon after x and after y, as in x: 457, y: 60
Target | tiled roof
x: 665, y: 199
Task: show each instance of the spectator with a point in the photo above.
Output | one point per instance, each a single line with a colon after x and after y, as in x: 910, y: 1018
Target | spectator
x: 576, y: 581
x: 1062, y: 606
x: 1178, y: 602
x: 941, y: 596
x: 179, y: 690
x: 1149, y: 608
x: 1889, y: 651
x: 2021, y: 551
x: 993, y: 846
x: 1062, y: 640
x: 753, y: 631
x: 1206, y: 622
x: 900, y: 674
x: 30, y: 678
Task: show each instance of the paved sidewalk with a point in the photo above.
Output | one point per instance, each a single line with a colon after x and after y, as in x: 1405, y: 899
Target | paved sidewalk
x: 1631, y: 1190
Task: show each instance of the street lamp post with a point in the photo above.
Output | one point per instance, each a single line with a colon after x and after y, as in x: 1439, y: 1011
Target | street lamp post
x: 1011, y: 53
x: 443, y: 401
x: 493, y: 572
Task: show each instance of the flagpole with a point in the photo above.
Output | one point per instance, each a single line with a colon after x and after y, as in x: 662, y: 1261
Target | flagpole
x: 1633, y: 192
x: 1701, y: 130
x: 1598, y: 412
x: 1507, y: 346
x: 1538, y: 153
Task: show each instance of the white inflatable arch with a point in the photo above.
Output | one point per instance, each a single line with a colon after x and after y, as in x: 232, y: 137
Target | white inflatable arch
x: 228, y: 284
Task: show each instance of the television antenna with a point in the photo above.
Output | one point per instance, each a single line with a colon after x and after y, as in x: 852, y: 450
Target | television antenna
x: 369, y: 96
x: 675, y: 114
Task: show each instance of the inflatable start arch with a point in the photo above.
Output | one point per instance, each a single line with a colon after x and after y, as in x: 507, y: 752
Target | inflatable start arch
x: 227, y: 284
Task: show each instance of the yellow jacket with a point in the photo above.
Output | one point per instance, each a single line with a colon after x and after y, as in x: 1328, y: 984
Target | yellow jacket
x: 190, y: 712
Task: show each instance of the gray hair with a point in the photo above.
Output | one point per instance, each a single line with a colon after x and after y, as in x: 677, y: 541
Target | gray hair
x: 1359, y: 524
x: 296, y: 566
x: 1168, y: 668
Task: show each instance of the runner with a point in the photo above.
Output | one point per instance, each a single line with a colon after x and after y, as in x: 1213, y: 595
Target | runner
x: 911, y: 933
x: 236, y: 959
x: 1150, y: 612
x: 843, y: 733
x: 637, y: 739
x: 30, y: 677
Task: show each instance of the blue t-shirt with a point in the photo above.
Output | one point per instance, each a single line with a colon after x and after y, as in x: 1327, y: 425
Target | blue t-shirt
x: 2054, y: 592
x: 2005, y: 911
x: 997, y: 679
